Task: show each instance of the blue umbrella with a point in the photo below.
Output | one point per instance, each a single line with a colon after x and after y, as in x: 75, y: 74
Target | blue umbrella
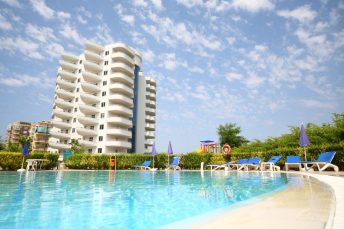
x: 153, y: 153
x: 169, y: 152
x: 304, y: 141
x: 25, y: 152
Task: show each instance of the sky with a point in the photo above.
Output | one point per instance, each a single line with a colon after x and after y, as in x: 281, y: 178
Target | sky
x: 264, y: 65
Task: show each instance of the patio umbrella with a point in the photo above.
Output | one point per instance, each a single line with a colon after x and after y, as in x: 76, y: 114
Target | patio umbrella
x: 153, y: 153
x: 25, y: 152
x: 304, y: 141
x: 169, y: 152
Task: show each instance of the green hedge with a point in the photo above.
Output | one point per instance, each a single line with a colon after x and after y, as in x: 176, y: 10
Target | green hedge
x: 12, y: 161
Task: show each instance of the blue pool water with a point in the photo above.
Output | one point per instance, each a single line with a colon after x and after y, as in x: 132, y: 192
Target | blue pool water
x: 125, y: 199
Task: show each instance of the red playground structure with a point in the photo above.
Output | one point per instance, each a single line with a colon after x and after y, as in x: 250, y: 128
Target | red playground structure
x: 209, y: 146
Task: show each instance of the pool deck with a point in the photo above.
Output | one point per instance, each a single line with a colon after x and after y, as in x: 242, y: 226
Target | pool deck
x: 291, y: 208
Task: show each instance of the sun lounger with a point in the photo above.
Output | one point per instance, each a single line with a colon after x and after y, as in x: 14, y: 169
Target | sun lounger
x: 293, y: 161
x: 144, y: 166
x: 219, y: 166
x: 174, y: 165
x: 239, y: 164
x: 323, y: 162
x: 271, y: 164
x: 252, y: 163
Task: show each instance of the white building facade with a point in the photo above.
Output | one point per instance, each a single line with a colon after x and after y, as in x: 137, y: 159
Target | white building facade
x: 103, y: 100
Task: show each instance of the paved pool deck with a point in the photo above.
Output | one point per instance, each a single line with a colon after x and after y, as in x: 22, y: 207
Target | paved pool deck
x: 312, y: 205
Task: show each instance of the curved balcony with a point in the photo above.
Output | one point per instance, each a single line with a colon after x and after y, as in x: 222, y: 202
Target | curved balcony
x: 151, y: 96
x: 87, y: 109
x: 61, y: 124
x: 90, y: 88
x: 119, y: 132
x: 91, y: 77
x: 149, y: 135
x: 70, y: 57
x: 87, y: 120
x: 120, y: 144
x: 62, y: 114
x: 88, y: 98
x: 118, y: 109
x: 87, y: 143
x: 92, y: 66
x: 121, y: 99
x: 64, y: 94
x: 150, y: 111
x: 121, y: 67
x: 57, y: 145
x: 63, y: 104
x: 122, y: 57
x: 150, y: 127
x: 92, y: 56
x: 68, y: 66
x: 60, y: 135
x: 121, y: 121
x: 67, y: 75
x: 93, y: 46
x: 150, y: 119
x: 121, y: 47
x: 121, y: 77
x: 149, y: 142
x: 86, y: 132
x: 121, y: 88
x: 65, y: 84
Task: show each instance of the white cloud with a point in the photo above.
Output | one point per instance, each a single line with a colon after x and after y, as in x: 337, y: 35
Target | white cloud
x: 71, y: 33
x: 42, y: 9
x: 26, y: 47
x: 43, y: 34
x: 103, y: 34
x: 253, y: 6
x: 140, y: 3
x: 27, y: 80
x: 302, y: 14
x: 253, y: 81
x: 13, y: 3
x: 169, y: 61
x: 316, y: 104
x: 138, y: 38
x: 63, y: 15
x: 129, y: 19
x: 4, y: 24
x: 231, y: 76
x: 148, y: 55
x: 201, y: 93
x: 157, y: 4
x: 81, y: 19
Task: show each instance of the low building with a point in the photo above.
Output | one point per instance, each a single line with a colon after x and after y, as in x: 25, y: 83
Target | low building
x: 16, y: 130
x: 40, y: 136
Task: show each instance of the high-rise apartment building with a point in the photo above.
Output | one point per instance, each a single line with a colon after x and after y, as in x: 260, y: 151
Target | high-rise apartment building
x: 103, y: 100
x: 16, y: 130
x: 39, y: 134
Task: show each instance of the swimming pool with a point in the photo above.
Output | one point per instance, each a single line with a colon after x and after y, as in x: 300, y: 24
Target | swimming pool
x: 123, y: 199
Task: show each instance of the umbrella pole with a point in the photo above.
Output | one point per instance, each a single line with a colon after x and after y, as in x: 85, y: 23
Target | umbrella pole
x: 168, y: 161
x: 22, y: 163
x: 304, y: 151
x: 153, y: 161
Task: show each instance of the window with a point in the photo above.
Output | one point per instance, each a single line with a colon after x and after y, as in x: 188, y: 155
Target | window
x: 93, y: 116
x: 75, y: 109
x: 104, y: 83
x: 89, y: 150
x: 106, y: 62
x: 76, y: 99
x: 79, y: 70
x: 77, y: 90
x: 91, y: 139
x: 104, y: 93
x: 79, y: 80
x: 100, y: 138
x: 65, y: 141
x: 107, y: 53
x: 103, y: 104
x: 105, y: 73
x: 99, y: 150
x: 73, y: 130
x: 74, y: 119
x: 101, y: 127
x: 80, y: 61
x: 92, y: 127
x: 102, y: 115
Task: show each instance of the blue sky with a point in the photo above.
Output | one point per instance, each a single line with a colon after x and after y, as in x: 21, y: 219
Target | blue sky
x: 263, y: 64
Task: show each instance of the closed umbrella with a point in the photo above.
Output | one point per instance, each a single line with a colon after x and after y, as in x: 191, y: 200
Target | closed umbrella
x: 25, y: 152
x: 304, y: 141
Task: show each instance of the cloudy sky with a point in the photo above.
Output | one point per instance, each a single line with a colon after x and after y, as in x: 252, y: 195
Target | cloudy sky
x: 263, y: 64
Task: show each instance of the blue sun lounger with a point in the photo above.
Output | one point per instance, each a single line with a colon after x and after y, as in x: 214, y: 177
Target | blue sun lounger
x: 252, y: 163
x: 219, y: 166
x: 271, y: 164
x: 175, y: 164
x: 293, y: 161
x: 239, y: 164
x: 323, y: 162
x: 144, y: 166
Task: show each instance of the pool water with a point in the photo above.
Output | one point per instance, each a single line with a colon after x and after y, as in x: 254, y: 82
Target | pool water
x: 123, y: 199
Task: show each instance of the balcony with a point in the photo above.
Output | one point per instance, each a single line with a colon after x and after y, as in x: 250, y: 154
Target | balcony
x: 87, y: 143
x: 92, y: 56
x: 118, y: 109
x: 150, y: 127
x: 89, y: 98
x: 149, y: 135
x: 86, y: 132
x: 70, y: 57
x: 90, y: 66
x: 60, y: 135
x: 121, y: 99
x: 120, y: 144
x: 67, y: 75
x: 62, y: 114
x: 121, y: 77
x: 151, y: 96
x: 150, y: 119
x: 87, y: 120
x: 60, y: 146
x: 121, y: 67
x: 65, y: 84
x: 63, y: 94
x: 119, y: 132
x: 90, y: 88
x: 122, y: 57
x: 93, y: 47
x: 91, y: 77
x: 121, y: 88
x: 149, y: 142
x: 87, y: 109
x: 68, y: 66
x: 63, y: 104
x: 121, y: 121
x: 150, y: 111
x: 61, y: 124
x: 120, y: 47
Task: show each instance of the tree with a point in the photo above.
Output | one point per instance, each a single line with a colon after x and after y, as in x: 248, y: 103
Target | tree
x: 229, y: 133
x: 75, y: 147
